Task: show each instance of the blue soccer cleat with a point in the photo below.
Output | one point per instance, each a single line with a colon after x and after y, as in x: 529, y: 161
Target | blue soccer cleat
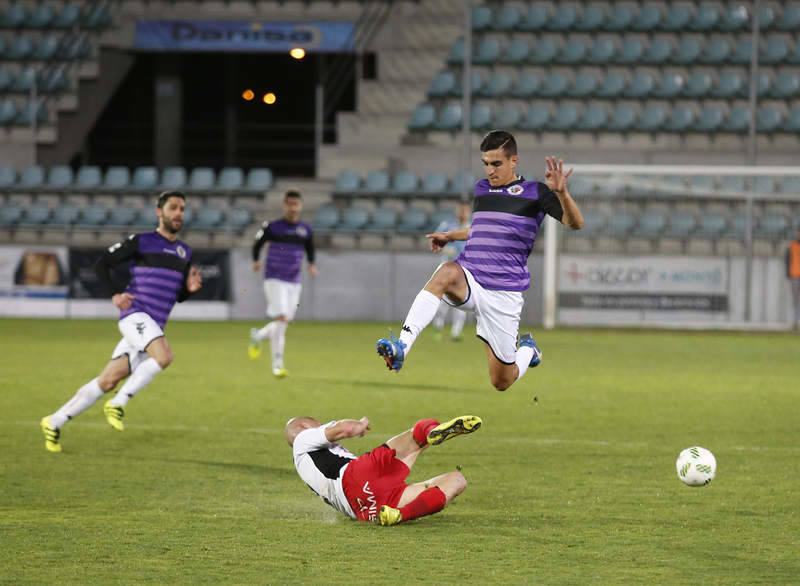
x: 527, y: 340
x: 393, y: 352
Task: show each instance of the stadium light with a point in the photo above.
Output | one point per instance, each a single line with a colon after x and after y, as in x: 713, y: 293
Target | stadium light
x: 297, y: 53
x: 269, y: 98
x: 248, y: 95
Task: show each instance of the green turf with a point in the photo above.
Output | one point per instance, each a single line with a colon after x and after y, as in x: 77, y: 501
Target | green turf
x: 571, y: 478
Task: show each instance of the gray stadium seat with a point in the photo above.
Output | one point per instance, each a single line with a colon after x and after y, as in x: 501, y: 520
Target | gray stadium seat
x: 88, y: 177
x: 376, y: 182
x: 623, y: 118
x: 46, y: 48
x: 146, y: 218
x: 173, y: 178
x: 678, y: 16
x: 536, y: 118
x: 422, y: 118
x: 651, y: 223
x: 435, y: 182
x: 621, y: 223
x: 326, y: 217
x: 31, y: 109
x: 498, y: 85
x: 732, y: 83
x: 15, y: 16
x: 487, y: 52
x: 145, y: 178
x: 537, y: 17
x: 594, y: 222
x: 75, y: 47
x: 383, y: 219
x: 564, y: 17
x: 481, y: 18
x: 659, y: 50
x: 202, y: 178
x: 613, y: 85
x: 507, y: 18
x: 681, y: 119
x: 737, y: 120
x: 706, y: 16
x: 96, y: 17
x: 64, y: 215
x: 6, y: 79
x: 712, y: 225
x: 702, y: 183
x: 735, y: 17
x: 24, y: 81
x: 565, y: 118
x: 790, y: 17
x: 36, y: 215
x: 443, y: 84
x: 208, y: 218
x: 595, y: 118
x: 507, y: 116
x: 774, y: 50
x: 516, y: 52
x: 449, y: 117
x: 415, y: 219
x: 354, y: 217
x: 793, y: 120
x: 584, y: 84
x: 649, y: 17
x: 741, y: 51
x: 593, y: 17
x: 653, y: 117
x: 689, y: 50
x: 528, y: 85
x: 463, y: 181
x: 42, y: 16
x: 405, y: 182
x: 710, y: 119
x: 603, y: 50
x: 574, y: 50
x: 555, y: 84
x: 8, y: 176
x: 631, y: 51
x: 68, y: 17
x: 717, y: 50
x: 698, y: 85
x: 681, y: 225
x: 456, y: 56
x: 732, y: 183
x: 769, y: 118
x: 93, y: 215
x: 773, y: 227
x: 230, y: 179
x: 60, y: 177
x: 621, y: 16
x: 791, y: 185
x: 544, y: 51
x: 737, y: 228
x: 347, y: 182
x: 258, y: 179
x: 32, y: 177
x: 787, y: 85
x: 642, y: 84
x: 122, y: 215
x: 764, y: 184
x: 239, y: 218
x: 10, y: 214
x: 671, y: 85
x: 117, y: 177
x: 54, y: 80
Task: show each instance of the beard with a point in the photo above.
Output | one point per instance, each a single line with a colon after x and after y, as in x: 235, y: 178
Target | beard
x: 169, y: 226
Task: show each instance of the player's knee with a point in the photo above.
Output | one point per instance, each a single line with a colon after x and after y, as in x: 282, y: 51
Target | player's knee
x: 447, y: 274
x: 459, y: 482
x: 501, y: 382
x: 107, y: 382
x: 164, y: 359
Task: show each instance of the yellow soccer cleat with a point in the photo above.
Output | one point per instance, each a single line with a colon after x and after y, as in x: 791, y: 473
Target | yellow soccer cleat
x: 389, y: 516
x: 452, y: 428
x: 254, y: 349
x: 114, y: 415
x: 280, y: 372
x: 51, y: 435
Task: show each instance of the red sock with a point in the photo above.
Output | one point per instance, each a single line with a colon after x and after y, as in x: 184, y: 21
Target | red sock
x: 421, y: 429
x: 427, y: 503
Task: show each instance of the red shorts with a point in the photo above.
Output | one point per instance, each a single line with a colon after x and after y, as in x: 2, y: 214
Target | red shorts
x: 377, y: 478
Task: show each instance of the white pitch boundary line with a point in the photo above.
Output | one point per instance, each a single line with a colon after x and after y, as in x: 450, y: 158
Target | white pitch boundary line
x: 538, y: 441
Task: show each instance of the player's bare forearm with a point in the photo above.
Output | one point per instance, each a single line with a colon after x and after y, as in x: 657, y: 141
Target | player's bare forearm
x: 572, y: 216
x: 458, y: 234
x: 347, y: 428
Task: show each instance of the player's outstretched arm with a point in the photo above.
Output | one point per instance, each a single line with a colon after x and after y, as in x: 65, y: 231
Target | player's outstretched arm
x: 441, y: 239
x: 347, y: 428
x: 556, y: 180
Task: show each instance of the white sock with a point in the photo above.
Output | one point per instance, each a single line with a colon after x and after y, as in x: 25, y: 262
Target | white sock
x: 86, y: 396
x: 459, y: 317
x: 523, y: 359
x: 138, y: 380
x: 266, y: 331
x: 277, y: 343
x: 422, y: 311
x: 441, y: 313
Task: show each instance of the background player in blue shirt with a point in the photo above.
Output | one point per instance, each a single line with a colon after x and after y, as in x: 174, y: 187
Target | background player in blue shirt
x: 450, y: 252
x: 160, y: 275
x: 289, y: 238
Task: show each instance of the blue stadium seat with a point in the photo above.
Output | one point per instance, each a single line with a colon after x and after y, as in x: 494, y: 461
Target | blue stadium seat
x: 36, y: 215
x: 10, y: 214
x: 794, y: 56
x: 604, y: 50
x: 88, y: 177
x: 259, y: 179
x: 32, y: 177
x: 507, y: 116
x: 15, y: 16
x: 476, y: 84
x: 354, y: 217
x: 544, y: 51
x: 699, y: 84
x: 732, y: 183
x: 46, y: 48
x: 528, y: 84
x: 507, y: 18
x: 456, y: 55
x: 24, y: 81
x: 449, y: 117
x: 653, y: 117
x: 488, y: 51
x: 498, y: 85
x: 741, y: 51
x: 671, y: 85
x: 768, y: 119
x: 239, y: 218
x: 787, y: 85
x: 702, y: 183
x: 659, y: 50
x: 65, y: 214
x: 764, y: 184
x: 423, y: 117
x: 566, y: 117
x: 621, y: 16
x: 681, y: 119
x: 649, y: 18
x: 347, y: 182
x: 613, y: 85
x: 415, y: 219
x: 202, y: 178
x: 54, y: 79
x: 42, y: 16
x: 31, y: 109
x: 793, y: 120
x: 68, y: 17
x: 712, y: 225
x: 443, y: 84
x: 735, y: 17
x: 773, y: 226
x: 462, y: 181
x: 437, y: 218
x: 731, y: 84
x: 435, y: 182
x: 584, y: 84
x: 689, y: 50
x: 537, y: 17
x: 75, y: 47
x: 173, y: 178
x: 6, y: 79
x: 642, y: 85
x: 564, y: 18
x: 790, y: 17
x: 555, y: 84
x: 737, y: 120
x: 326, y: 217
x: 593, y: 17
x: 230, y: 179
x: 405, y: 182
x: 706, y: 17
x: 93, y: 215
x: 145, y: 178
x: 376, y: 182
x: 481, y: 18
x: 60, y: 177
x: 623, y: 118
x: 677, y: 17
x: 20, y: 49
x: 738, y: 226
x: 631, y: 51
x: 621, y: 223
x: 516, y: 52
x: 574, y: 50
x: 717, y: 50
x: 117, y: 177
x: 122, y: 215
x: 672, y: 184
x: 766, y: 16
x: 208, y: 218
x: 774, y: 50
x: 8, y: 176
x: 383, y: 219
x: 651, y: 223
x: 536, y: 118
x: 681, y: 225
x: 595, y: 118
x: 594, y: 222
x: 96, y: 17
x: 791, y: 185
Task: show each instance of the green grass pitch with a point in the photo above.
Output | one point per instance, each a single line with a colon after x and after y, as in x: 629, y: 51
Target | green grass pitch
x: 571, y: 478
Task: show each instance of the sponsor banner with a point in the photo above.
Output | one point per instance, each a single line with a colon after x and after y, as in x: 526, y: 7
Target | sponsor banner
x: 213, y: 264
x: 643, y: 283
x: 36, y: 272
x: 243, y: 36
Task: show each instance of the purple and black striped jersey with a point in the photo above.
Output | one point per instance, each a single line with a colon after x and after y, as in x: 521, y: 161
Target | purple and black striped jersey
x: 505, y: 222
x: 285, y: 254
x: 158, y: 271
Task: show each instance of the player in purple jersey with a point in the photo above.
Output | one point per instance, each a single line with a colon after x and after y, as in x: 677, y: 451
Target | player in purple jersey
x: 160, y: 275
x: 290, y: 239
x: 489, y: 275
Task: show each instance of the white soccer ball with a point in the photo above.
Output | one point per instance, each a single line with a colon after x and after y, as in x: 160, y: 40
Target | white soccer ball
x: 696, y: 466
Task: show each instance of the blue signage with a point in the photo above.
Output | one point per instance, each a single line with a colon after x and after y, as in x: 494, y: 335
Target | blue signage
x: 243, y: 36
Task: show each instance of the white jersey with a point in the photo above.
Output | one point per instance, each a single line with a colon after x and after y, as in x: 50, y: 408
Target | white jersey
x: 321, y: 465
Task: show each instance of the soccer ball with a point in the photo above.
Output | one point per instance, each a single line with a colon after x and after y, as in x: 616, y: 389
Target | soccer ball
x: 696, y: 466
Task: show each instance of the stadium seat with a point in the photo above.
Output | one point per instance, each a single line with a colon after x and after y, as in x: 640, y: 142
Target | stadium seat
x: 457, y: 51
x: 146, y: 218
x: 93, y: 215
x: 574, y: 50
x: 463, y: 182
x: 735, y: 17
x: 354, y: 217
x: 774, y: 50
x: 68, y: 17
x: 435, y: 182
x: 764, y: 184
x: 60, y: 177
x: 64, y: 215
x: 239, y: 218
x: 594, y: 222
x: 712, y: 225
x: 15, y: 16
x: 528, y: 85
x: 623, y: 118
x: 443, y: 84
x: 681, y: 119
x: 476, y: 84
x: 737, y: 228
x: 671, y: 85
x: 732, y: 183
x: 516, y: 52
x: 621, y: 223
x: 36, y: 215
x: 595, y: 118
x: 768, y: 119
x: 584, y: 84
x: 544, y: 51
x: 145, y: 178
x: 613, y: 84
x: 405, y: 182
x: 96, y: 17
x: 652, y: 118
x: 689, y: 51
x: 737, y: 120
x: 793, y: 120
x: 498, y: 85
x: 88, y: 177
x: 773, y: 227
x: 672, y: 184
x: 787, y: 85
x: 717, y: 50
x: 564, y: 17
x: 649, y: 17
x: 507, y: 18
x: 41, y: 17
x: 422, y: 118
x: 8, y: 176
x: 677, y: 17
x: 702, y: 183
x: 32, y: 177
x: 117, y: 177
x: 706, y: 17
x: 449, y: 117
x: 790, y: 17
x: 173, y: 178
x: 75, y: 47
x: 651, y: 223
x: 24, y: 81
x: 383, y: 219
x: 259, y: 179
x: 698, y: 85
x: 507, y: 116
x: 582, y: 186
x: 47, y: 47
x: 202, y: 179
x: 659, y: 50
x: 122, y: 215
x: 731, y: 84
x: 437, y: 217
x: 6, y: 79
x: 230, y: 179
x: 536, y: 118
x: 376, y: 182
x: 31, y: 109
x: 593, y: 17
x: 326, y: 217
x: 621, y: 16
x: 20, y: 49
x: 487, y: 52
x: 347, y: 182
x: 794, y: 56
x: 791, y: 185
x: 630, y: 52
x: 642, y: 84
x: 741, y: 51
x: 208, y: 218
x: 415, y: 219
x: 603, y: 50
x: 566, y: 117
x: 481, y: 18
x: 555, y: 84
x: 10, y: 214
x: 54, y: 80
x: 681, y: 225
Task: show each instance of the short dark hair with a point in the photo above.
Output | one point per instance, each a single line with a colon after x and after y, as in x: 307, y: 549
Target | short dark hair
x: 292, y: 193
x: 162, y: 199
x: 496, y: 139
